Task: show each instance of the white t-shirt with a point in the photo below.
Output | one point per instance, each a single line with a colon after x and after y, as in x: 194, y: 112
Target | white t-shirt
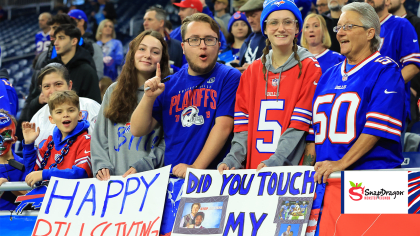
x: 88, y: 107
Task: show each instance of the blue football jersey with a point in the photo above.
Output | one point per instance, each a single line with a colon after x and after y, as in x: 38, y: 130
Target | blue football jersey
x: 188, y: 109
x: 42, y: 41
x: 329, y: 58
x: 303, y: 208
x: 399, y: 42
x: 367, y: 99
x: 285, y: 210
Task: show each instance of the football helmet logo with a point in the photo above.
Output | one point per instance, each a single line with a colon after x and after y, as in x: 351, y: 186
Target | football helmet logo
x: 190, y: 117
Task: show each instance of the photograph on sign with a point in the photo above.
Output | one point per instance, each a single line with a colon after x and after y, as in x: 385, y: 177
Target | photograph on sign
x: 201, y: 215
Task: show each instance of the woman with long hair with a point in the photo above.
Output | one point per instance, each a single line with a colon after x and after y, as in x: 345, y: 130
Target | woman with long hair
x: 317, y: 40
x: 274, y: 99
x: 112, y: 48
x: 115, y: 151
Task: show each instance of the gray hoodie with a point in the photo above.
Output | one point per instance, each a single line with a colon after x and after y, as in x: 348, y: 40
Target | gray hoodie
x: 115, y: 148
x: 292, y: 142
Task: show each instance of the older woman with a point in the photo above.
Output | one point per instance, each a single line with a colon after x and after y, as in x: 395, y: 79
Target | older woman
x: 316, y: 39
x: 358, y: 107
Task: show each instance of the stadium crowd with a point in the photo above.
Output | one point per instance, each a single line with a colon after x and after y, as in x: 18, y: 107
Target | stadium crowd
x: 325, y: 83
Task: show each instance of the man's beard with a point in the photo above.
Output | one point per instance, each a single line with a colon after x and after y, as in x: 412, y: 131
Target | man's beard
x: 378, y: 8
x: 198, y: 69
x: 395, y: 8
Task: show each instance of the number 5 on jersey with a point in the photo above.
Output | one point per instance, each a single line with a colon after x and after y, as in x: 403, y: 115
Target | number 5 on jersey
x: 269, y: 125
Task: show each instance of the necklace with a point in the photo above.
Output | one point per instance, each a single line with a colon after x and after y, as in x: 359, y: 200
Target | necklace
x: 60, y: 157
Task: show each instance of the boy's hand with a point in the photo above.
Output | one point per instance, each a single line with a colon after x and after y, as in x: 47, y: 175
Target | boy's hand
x: 3, y: 180
x: 156, y: 87
x: 33, y: 177
x: 29, y: 132
x: 103, y: 174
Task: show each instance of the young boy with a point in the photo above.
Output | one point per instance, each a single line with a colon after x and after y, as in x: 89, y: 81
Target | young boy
x: 8, y: 173
x: 66, y: 153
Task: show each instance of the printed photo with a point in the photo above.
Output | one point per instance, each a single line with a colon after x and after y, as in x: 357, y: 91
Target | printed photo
x: 293, y: 210
x: 201, y: 215
x: 289, y: 230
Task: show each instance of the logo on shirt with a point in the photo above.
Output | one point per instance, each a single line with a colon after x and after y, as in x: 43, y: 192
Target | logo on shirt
x: 340, y: 86
x: 279, y: 3
x: 414, y: 40
x: 189, y: 117
x: 211, y: 80
x: 275, y: 82
x: 388, y: 92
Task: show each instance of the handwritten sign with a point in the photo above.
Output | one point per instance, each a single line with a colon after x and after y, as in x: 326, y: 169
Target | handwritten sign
x: 120, y: 206
x: 273, y: 201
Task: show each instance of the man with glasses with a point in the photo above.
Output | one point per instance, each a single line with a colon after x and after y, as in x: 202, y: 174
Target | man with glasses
x: 322, y: 6
x: 196, y: 106
x: 399, y: 41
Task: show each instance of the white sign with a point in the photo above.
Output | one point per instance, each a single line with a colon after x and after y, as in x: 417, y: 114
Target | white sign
x: 374, y: 192
x: 273, y: 201
x: 120, y: 206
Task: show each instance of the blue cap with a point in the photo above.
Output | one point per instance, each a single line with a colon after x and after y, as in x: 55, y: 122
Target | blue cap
x: 78, y: 14
x: 237, y: 16
x: 286, y: 202
x: 277, y: 5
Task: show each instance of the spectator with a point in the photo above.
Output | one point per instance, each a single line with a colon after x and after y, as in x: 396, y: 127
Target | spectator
x: 239, y: 30
x: 82, y: 22
x: 55, y: 77
x: 253, y: 46
x: 111, y: 156
x: 221, y: 9
x: 397, y: 8
x: 172, y: 13
x: 374, y: 118
x: 66, y: 153
x: 331, y: 19
x: 262, y: 93
x: 42, y: 38
x: 35, y: 100
x: 316, y: 39
x: 190, y: 7
x: 112, y: 49
x: 205, y: 127
x: 9, y: 99
x: 154, y: 19
x: 75, y: 58
x: 104, y: 10
x: 104, y: 83
x: 322, y: 7
x: 399, y: 42
x: 237, y: 4
x: 8, y: 172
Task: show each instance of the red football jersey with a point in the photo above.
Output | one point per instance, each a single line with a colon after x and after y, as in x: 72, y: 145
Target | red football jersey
x: 78, y: 155
x: 266, y: 119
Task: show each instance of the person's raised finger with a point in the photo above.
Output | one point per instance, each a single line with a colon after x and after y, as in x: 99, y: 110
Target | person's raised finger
x: 158, y: 74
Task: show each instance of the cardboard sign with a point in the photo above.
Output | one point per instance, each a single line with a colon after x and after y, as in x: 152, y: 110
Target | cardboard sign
x: 274, y: 201
x: 120, y: 206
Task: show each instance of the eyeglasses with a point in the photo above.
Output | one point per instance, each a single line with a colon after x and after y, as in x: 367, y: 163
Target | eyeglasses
x: 346, y: 27
x: 275, y: 23
x: 195, y: 41
x: 321, y: 5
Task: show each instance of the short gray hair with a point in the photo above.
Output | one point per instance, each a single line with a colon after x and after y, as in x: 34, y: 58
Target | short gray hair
x: 369, y: 19
x: 160, y: 13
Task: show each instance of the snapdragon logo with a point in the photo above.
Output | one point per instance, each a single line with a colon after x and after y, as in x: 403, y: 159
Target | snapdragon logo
x: 357, y: 193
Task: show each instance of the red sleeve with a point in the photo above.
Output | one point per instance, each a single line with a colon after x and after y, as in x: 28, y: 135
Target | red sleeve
x: 242, y: 100
x: 83, y: 159
x: 302, y: 113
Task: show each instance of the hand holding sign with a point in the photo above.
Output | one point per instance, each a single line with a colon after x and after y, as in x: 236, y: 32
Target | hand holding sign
x: 223, y: 167
x: 155, y: 87
x: 33, y: 177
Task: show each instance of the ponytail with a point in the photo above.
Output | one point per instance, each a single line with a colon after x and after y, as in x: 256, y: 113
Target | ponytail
x: 295, y: 48
x: 265, y: 52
